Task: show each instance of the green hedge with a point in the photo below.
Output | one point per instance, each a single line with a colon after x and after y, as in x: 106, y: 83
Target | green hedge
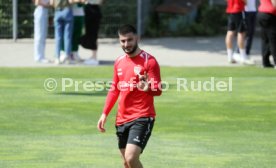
x: 115, y: 13
x: 208, y: 20
x: 204, y: 21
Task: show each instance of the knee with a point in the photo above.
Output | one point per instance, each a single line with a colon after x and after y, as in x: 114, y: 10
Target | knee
x: 130, y: 160
x: 125, y: 164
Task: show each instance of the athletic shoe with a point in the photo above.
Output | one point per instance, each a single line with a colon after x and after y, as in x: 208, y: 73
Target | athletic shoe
x: 247, y: 62
x: 57, y: 61
x: 65, y: 59
x: 43, y: 61
x: 232, y: 61
x: 76, y: 57
x: 268, y: 66
x: 91, y: 61
x: 237, y: 57
x: 62, y: 58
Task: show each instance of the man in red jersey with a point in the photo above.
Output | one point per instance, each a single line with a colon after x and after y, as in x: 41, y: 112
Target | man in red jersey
x: 267, y: 21
x: 136, y: 80
x: 236, y: 24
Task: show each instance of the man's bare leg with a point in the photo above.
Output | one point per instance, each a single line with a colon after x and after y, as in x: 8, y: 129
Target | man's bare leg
x: 229, y: 46
x: 132, y: 155
x: 123, y: 157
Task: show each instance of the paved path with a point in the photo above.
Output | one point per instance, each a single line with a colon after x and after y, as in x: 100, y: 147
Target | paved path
x: 198, y: 51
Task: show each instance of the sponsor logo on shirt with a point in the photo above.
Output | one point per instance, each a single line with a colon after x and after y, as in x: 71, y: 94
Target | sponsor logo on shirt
x: 119, y: 72
x: 137, y: 70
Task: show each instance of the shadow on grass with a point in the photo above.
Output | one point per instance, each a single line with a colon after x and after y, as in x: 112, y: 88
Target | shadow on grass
x: 99, y: 93
x: 106, y: 62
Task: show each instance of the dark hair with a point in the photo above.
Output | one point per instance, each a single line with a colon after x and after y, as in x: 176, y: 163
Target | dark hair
x: 127, y: 28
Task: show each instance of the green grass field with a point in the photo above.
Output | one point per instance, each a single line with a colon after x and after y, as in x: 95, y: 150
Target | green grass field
x: 194, y: 129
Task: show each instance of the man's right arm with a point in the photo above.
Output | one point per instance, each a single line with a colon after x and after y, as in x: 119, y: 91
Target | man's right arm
x: 111, y: 99
x: 109, y: 103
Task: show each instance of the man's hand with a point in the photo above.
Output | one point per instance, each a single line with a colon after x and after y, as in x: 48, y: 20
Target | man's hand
x: 143, y: 82
x: 101, y: 123
x: 143, y: 77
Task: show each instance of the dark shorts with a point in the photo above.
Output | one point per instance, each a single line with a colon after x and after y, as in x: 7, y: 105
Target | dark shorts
x: 136, y: 132
x: 236, y: 22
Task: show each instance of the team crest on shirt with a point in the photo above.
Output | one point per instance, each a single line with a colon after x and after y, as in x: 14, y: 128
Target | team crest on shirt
x: 137, y: 70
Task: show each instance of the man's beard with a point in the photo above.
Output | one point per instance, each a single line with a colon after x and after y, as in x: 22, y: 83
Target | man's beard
x: 131, y: 51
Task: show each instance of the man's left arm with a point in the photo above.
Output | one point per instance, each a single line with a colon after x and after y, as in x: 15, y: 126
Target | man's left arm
x: 154, y: 78
x: 273, y: 3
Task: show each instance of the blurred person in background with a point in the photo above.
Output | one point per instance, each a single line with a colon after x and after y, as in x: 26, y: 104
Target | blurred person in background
x: 267, y: 21
x: 78, y: 13
x: 40, y: 29
x: 78, y: 20
x: 250, y: 18
x: 92, y: 18
x: 63, y: 21
x: 236, y: 24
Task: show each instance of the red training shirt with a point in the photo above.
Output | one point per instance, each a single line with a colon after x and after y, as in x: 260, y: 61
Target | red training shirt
x: 235, y: 6
x: 133, y: 103
x: 267, y: 7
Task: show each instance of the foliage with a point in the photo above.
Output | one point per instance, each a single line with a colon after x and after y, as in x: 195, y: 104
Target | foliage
x: 209, y: 20
x: 25, y: 18
x: 115, y: 13
x: 153, y: 20
x: 5, y: 18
